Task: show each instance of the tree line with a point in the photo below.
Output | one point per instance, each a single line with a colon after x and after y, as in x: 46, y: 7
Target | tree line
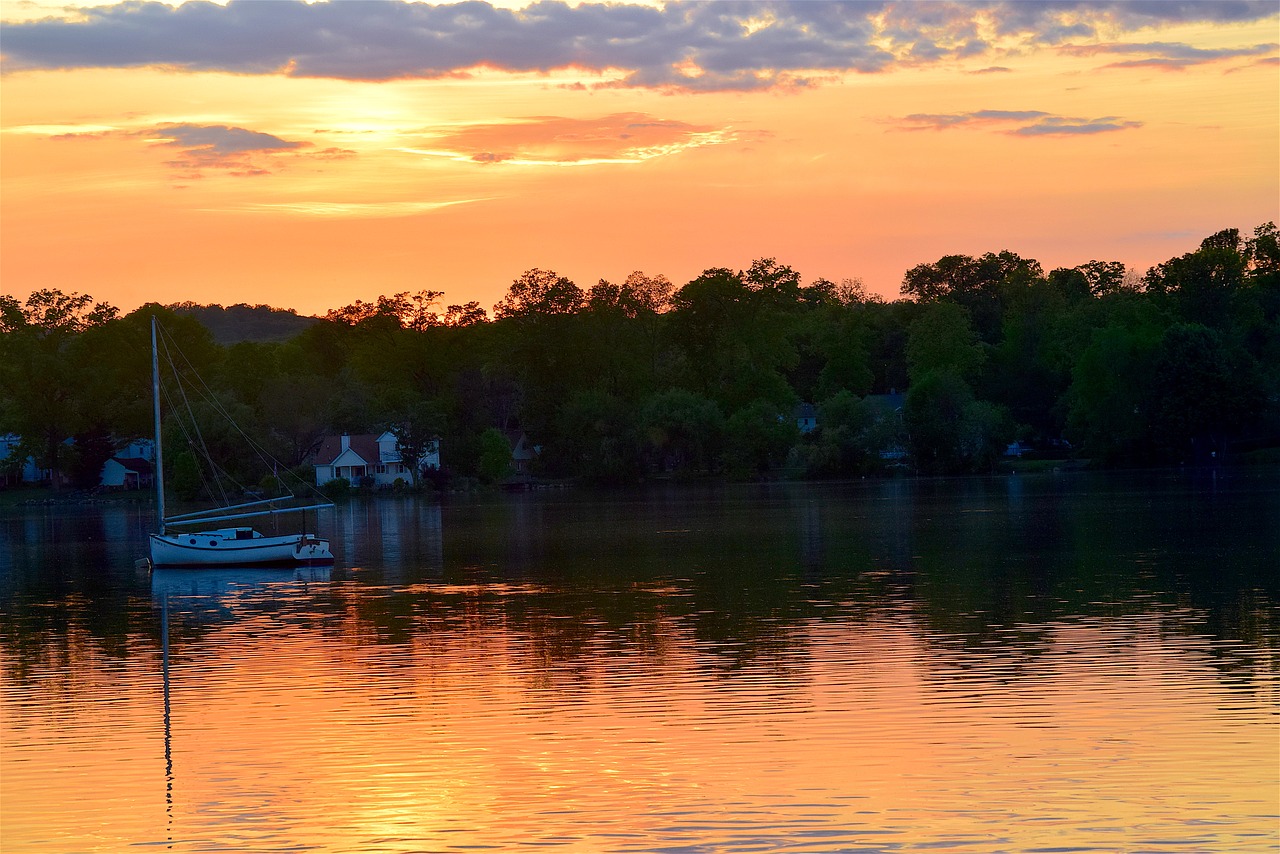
x: 623, y: 381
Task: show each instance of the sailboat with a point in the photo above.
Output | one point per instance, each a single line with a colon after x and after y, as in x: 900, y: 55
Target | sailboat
x: 199, y: 540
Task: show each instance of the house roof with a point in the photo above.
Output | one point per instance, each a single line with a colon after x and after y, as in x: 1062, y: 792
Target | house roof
x: 363, y: 444
x: 887, y: 402
x: 134, y: 464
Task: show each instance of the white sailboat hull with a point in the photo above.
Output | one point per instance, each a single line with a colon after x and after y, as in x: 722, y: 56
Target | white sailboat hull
x: 224, y: 548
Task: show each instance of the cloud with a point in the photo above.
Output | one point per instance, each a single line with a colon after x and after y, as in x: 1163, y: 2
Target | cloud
x: 222, y: 140
x: 355, y: 210
x: 1173, y: 56
x: 1056, y: 21
x: 686, y: 46
x: 1065, y: 126
x: 559, y: 141
x: 60, y: 131
x: 942, y: 121
x: 234, y: 151
x: 1017, y: 122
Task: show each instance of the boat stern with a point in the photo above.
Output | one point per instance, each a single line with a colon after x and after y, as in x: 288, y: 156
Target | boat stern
x: 312, y: 549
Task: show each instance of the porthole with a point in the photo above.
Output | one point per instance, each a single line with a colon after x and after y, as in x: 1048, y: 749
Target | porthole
x: 213, y: 542
x: 193, y: 541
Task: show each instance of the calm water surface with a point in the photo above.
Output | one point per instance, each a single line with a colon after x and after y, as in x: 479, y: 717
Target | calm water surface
x: 1047, y: 663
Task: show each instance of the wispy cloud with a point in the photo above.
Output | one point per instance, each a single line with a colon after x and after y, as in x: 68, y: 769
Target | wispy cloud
x: 61, y: 131
x: 688, y: 46
x: 355, y: 210
x: 236, y: 151
x: 1170, y: 56
x: 1017, y: 122
x: 199, y: 148
x: 559, y: 141
x: 1067, y: 126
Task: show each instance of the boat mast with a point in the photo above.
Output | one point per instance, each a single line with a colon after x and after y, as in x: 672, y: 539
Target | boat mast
x: 155, y: 403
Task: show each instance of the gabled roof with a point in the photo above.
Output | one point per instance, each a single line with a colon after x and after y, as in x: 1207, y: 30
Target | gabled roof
x: 363, y: 444
x: 134, y: 464
x: 519, y: 441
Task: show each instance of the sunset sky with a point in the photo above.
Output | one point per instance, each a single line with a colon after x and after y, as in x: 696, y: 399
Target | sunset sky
x: 306, y: 155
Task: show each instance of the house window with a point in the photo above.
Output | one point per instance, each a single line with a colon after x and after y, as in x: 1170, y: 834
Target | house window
x: 380, y: 469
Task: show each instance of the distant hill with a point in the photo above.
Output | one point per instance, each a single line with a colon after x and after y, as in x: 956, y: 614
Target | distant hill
x: 241, y: 322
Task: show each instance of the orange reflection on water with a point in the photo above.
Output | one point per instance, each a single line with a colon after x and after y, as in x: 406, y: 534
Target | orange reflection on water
x: 298, y: 730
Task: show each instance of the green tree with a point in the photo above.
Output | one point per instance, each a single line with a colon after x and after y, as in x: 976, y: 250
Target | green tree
x: 410, y: 310
x: 758, y: 437
x: 495, y: 455
x: 942, y: 339
x: 733, y: 339
x: 1030, y: 369
x: 685, y: 430
x: 1108, y: 397
x: 1203, y: 285
x: 934, y: 415
x: 845, y: 443
x: 980, y: 285
x: 1263, y: 250
x: 44, y: 381
x: 600, y: 438
x: 417, y: 431
x: 539, y: 293
x: 948, y: 429
x: 1200, y: 393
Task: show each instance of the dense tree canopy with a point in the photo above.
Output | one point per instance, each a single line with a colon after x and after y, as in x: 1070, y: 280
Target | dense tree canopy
x: 641, y: 378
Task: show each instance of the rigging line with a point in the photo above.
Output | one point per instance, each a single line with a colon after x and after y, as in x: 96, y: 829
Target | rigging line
x: 214, y: 469
x: 203, y: 392
x: 264, y: 455
x: 194, y: 444
x: 218, y: 475
x: 188, y: 424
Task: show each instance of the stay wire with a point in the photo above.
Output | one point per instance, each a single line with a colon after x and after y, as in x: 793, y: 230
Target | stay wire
x: 209, y: 397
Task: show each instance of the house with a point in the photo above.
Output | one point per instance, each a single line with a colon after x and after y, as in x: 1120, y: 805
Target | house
x: 806, y: 418
x: 138, y: 449
x: 1017, y: 449
x: 127, y: 473
x: 368, y: 458
x: 886, y: 410
x: 521, y: 451
x: 14, y: 469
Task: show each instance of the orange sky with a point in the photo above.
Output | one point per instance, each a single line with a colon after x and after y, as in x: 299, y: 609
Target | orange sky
x: 310, y: 155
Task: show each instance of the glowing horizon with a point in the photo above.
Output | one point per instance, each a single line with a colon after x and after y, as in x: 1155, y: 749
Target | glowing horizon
x: 308, y: 155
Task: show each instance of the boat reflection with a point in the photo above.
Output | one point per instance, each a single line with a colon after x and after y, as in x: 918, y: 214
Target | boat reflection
x: 233, y: 581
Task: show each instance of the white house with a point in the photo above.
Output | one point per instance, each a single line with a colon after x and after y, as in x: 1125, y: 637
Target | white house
x: 127, y: 472
x: 367, y: 455
x: 138, y: 449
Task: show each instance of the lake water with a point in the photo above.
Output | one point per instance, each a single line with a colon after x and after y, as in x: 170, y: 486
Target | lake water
x: 1047, y: 663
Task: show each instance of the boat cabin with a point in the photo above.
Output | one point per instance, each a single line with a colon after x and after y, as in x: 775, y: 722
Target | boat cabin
x: 211, y: 537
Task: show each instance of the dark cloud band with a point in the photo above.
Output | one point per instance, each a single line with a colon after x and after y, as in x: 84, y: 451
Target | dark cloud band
x: 684, y: 45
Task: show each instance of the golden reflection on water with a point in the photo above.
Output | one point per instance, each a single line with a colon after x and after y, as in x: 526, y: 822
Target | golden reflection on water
x: 298, y: 724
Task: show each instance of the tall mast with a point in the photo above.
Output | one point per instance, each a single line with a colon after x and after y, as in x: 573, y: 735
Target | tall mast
x: 155, y: 403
